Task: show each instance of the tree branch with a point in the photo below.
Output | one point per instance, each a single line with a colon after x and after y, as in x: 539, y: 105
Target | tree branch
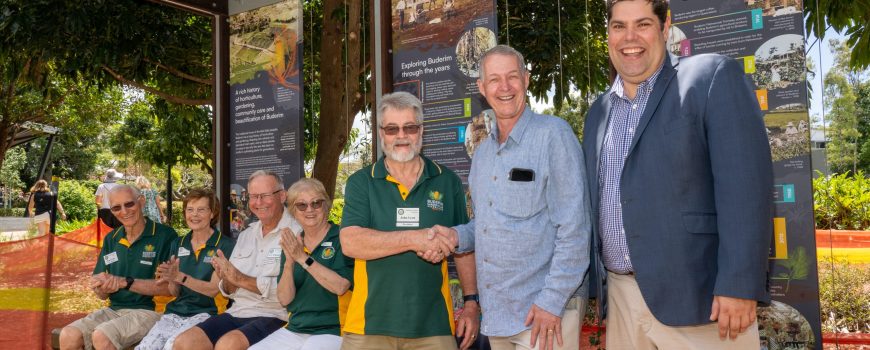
x: 161, y: 94
x: 179, y: 73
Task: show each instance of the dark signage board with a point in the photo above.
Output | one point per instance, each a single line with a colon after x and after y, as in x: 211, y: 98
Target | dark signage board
x: 766, y: 36
x: 436, y: 45
x: 265, y: 99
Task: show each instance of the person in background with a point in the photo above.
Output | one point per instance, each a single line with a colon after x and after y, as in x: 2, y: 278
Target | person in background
x: 101, y: 197
x: 153, y: 208
x: 315, y: 275
x: 189, y: 274
x: 39, y: 206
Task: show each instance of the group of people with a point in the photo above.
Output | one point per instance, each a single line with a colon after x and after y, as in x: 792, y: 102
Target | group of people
x: 664, y: 212
x: 152, y: 208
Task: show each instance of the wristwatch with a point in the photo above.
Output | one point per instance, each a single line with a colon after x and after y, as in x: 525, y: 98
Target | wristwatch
x: 308, y: 262
x: 471, y: 297
x: 129, y: 283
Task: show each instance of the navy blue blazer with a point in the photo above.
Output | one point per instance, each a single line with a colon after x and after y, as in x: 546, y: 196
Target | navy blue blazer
x: 696, y: 190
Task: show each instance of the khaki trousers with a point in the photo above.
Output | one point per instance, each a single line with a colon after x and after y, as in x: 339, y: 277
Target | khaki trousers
x: 353, y: 341
x: 630, y: 324
x: 570, y: 332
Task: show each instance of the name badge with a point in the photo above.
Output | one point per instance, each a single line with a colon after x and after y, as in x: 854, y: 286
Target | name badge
x: 108, y: 259
x: 326, y: 244
x: 274, y: 253
x: 146, y: 262
x: 182, y: 251
x: 407, y: 217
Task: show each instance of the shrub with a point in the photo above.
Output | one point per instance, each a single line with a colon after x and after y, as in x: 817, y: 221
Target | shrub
x: 70, y: 225
x: 336, y: 211
x: 842, y: 202
x: 12, y: 212
x: 77, y: 199
x: 844, y: 296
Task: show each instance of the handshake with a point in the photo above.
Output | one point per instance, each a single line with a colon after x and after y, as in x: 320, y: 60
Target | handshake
x: 436, y: 243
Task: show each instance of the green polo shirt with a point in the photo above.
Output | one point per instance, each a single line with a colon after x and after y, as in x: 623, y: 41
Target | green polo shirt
x: 138, y: 260
x: 402, y: 295
x: 197, y: 263
x: 314, y: 309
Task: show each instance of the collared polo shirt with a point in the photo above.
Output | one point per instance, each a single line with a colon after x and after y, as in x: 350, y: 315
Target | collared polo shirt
x: 314, y: 309
x: 402, y: 295
x: 196, y: 262
x: 138, y: 259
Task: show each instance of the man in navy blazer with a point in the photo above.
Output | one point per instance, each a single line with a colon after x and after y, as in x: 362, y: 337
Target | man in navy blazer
x: 680, y: 178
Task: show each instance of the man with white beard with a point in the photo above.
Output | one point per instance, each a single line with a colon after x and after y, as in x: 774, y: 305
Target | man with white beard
x: 400, y: 300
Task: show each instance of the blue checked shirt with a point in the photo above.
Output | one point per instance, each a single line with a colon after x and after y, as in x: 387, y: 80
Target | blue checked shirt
x: 531, y: 238
x: 624, y: 117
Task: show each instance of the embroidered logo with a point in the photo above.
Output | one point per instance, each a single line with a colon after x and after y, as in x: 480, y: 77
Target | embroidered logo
x: 435, y: 201
x: 328, y: 253
x: 149, y: 251
x: 209, y: 255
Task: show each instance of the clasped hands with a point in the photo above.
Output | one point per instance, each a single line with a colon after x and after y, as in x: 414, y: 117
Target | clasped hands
x: 436, y: 243
x: 105, y: 283
x: 226, y: 272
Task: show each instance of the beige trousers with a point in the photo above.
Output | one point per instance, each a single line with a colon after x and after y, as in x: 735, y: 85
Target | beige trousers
x: 352, y: 341
x: 570, y: 332
x: 630, y: 325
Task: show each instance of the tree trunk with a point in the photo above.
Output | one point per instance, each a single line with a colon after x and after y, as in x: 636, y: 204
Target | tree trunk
x: 340, y: 86
x: 5, y: 130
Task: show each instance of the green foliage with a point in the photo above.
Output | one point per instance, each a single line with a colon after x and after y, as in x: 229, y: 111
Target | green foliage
x: 842, y: 202
x: 77, y: 199
x: 165, y: 134
x: 532, y: 27
x: 845, y: 304
x: 62, y: 226
x: 842, y: 87
x: 12, y: 212
x: 847, y: 17
x: 336, y: 211
x: 10, y: 181
x: 178, y: 222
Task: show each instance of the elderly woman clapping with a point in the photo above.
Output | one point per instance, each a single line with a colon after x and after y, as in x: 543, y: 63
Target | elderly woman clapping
x: 315, y: 275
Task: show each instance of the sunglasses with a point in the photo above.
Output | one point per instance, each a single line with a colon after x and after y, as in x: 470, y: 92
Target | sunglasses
x: 315, y: 204
x: 410, y: 129
x: 128, y: 205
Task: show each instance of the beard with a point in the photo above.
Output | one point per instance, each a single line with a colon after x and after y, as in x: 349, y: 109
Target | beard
x: 402, y: 156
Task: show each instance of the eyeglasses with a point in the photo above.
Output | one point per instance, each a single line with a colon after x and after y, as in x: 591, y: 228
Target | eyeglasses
x: 128, y: 205
x: 315, y: 204
x: 262, y: 196
x: 197, y: 211
x: 410, y: 129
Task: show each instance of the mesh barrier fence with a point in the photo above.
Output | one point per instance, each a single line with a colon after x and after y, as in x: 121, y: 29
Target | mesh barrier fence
x: 36, y: 296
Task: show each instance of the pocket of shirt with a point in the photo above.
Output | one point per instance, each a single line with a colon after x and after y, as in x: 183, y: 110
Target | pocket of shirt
x: 520, y: 199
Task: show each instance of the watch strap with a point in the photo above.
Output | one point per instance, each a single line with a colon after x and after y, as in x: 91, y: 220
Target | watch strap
x: 471, y: 297
x: 308, y: 262
x: 129, y: 283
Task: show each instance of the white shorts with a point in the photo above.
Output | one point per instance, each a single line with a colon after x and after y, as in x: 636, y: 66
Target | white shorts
x: 162, y: 335
x: 287, y: 340
x: 44, y: 217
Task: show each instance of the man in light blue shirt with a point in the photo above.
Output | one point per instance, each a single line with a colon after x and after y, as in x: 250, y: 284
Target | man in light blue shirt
x: 531, y: 228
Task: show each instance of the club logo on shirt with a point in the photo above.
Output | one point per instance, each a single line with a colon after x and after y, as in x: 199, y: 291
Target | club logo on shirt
x: 149, y: 251
x: 327, y: 253
x: 434, y: 202
x: 209, y: 255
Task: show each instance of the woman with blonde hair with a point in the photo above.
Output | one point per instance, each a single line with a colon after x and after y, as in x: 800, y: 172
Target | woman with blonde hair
x: 152, y: 209
x: 39, y: 206
x: 315, y: 278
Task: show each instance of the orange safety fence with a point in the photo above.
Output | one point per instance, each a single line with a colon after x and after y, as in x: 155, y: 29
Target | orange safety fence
x: 36, y: 296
